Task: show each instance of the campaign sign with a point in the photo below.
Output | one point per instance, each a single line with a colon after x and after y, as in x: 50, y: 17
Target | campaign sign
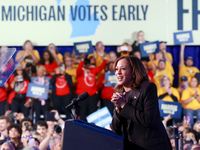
x: 183, y: 37
x: 101, y: 117
x: 173, y: 108
x: 148, y: 48
x: 39, y: 91
x: 112, y: 79
x: 83, y: 47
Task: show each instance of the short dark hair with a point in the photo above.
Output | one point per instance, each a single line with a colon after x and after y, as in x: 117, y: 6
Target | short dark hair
x: 27, y: 119
x: 17, y: 127
x: 163, y: 42
x: 86, y: 61
x: 41, y: 123
x: 6, y: 118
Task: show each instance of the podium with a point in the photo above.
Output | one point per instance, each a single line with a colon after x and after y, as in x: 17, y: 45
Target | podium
x: 80, y: 135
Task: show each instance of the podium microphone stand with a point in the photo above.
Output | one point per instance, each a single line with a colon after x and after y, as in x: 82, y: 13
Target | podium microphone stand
x: 74, y: 111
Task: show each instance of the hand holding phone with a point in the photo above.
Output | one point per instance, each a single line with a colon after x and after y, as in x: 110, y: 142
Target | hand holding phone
x: 49, y: 116
x: 12, y: 115
x: 62, y: 67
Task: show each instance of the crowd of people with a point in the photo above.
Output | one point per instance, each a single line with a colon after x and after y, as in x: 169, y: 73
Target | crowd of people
x: 69, y: 75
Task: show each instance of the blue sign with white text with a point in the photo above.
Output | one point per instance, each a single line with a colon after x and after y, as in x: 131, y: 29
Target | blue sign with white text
x: 173, y: 108
x: 83, y: 47
x: 148, y: 48
x: 101, y: 117
x: 112, y: 79
x: 183, y: 37
x: 37, y: 91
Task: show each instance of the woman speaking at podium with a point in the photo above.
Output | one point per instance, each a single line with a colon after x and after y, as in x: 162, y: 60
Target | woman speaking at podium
x: 136, y: 114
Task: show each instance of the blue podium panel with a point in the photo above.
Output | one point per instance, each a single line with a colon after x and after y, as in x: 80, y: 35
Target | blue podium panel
x: 80, y: 135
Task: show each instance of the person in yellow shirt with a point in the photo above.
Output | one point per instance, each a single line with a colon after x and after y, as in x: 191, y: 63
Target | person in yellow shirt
x: 29, y: 51
x: 191, y: 101
x: 184, y: 84
x: 186, y: 67
x: 70, y: 69
x: 197, y: 75
x: 54, y: 52
x: 160, y: 72
x: 124, y: 50
x: 167, y: 92
x: 100, y: 50
x: 158, y: 56
x: 99, y: 54
x: 163, y: 48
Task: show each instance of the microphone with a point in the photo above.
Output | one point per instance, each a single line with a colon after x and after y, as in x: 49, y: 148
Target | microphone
x: 78, y: 99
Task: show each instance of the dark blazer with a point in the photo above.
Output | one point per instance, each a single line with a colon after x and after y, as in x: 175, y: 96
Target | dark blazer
x: 139, y: 121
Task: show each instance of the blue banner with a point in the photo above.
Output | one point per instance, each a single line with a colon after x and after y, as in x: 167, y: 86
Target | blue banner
x: 183, y: 37
x: 173, y: 108
x: 101, y: 117
x: 148, y: 48
x: 112, y: 79
x: 37, y: 91
x: 83, y: 47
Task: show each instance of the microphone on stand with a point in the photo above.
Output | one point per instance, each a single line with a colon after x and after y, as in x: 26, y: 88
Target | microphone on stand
x: 78, y: 99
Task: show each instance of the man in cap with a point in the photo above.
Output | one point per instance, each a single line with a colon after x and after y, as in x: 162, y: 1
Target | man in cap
x: 183, y: 85
x: 186, y: 67
x: 160, y: 72
x: 156, y: 58
x: 167, y: 56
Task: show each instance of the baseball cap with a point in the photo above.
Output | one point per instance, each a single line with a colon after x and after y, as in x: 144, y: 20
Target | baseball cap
x: 184, y: 78
x: 189, y: 58
x: 162, y: 59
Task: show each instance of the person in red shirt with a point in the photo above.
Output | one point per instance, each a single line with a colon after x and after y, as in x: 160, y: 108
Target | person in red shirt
x: 3, y: 97
x: 86, y: 81
x: 19, y: 84
x: 106, y: 92
x: 48, y: 62
x: 62, y: 92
